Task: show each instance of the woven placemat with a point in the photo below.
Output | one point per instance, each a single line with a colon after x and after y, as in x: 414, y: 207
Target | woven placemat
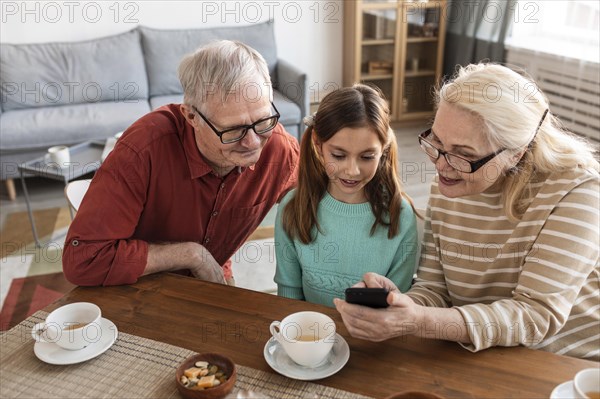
x: 134, y: 367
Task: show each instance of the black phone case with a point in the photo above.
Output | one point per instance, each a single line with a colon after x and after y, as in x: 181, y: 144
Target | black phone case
x: 371, y: 297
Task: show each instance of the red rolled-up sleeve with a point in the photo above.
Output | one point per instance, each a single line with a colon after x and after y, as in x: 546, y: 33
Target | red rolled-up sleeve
x: 99, y: 249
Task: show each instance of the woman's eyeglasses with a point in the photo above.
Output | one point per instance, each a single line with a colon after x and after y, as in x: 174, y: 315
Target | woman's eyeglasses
x: 456, y: 161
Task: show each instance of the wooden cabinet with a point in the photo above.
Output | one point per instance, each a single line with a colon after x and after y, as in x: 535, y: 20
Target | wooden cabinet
x: 398, y: 46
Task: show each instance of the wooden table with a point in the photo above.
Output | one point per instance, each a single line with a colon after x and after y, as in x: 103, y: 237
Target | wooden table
x: 204, y: 317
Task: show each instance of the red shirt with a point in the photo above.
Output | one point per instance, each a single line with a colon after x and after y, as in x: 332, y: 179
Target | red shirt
x: 156, y: 187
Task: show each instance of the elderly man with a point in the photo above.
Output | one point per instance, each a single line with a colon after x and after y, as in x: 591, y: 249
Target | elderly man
x: 187, y: 183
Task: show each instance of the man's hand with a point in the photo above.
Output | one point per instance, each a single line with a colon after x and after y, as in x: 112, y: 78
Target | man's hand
x: 184, y: 255
x: 204, y: 266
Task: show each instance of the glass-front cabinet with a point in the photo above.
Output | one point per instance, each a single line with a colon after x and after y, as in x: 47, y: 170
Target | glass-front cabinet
x: 378, y: 48
x: 397, y: 46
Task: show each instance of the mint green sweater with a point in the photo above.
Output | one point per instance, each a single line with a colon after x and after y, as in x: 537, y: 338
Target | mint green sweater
x: 344, y: 251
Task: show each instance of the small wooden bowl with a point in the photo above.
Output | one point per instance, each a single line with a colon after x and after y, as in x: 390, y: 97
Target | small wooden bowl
x: 220, y: 391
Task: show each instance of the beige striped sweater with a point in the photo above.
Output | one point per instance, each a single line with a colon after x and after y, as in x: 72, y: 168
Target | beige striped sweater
x: 533, y: 283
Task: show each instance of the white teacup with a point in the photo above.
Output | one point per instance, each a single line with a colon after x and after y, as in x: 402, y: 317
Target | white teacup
x: 307, y: 337
x: 59, y: 155
x: 587, y: 384
x: 73, y: 326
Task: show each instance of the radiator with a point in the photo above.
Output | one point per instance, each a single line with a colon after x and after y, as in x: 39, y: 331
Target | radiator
x: 572, y: 87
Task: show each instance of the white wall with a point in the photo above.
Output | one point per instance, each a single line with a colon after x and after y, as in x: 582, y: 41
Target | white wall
x: 308, y: 32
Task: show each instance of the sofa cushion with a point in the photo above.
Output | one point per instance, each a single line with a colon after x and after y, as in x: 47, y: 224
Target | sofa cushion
x: 68, y: 124
x: 290, y: 112
x: 164, y: 49
x: 51, y: 74
x: 159, y: 101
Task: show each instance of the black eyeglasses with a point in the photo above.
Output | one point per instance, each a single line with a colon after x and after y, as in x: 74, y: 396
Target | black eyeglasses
x: 236, y: 133
x: 456, y: 161
x: 462, y: 164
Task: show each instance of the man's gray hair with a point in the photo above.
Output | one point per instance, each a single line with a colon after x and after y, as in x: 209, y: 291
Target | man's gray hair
x: 222, y: 68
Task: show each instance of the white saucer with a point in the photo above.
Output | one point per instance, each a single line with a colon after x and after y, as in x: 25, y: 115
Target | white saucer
x: 54, y: 354
x: 566, y: 390
x: 281, y: 362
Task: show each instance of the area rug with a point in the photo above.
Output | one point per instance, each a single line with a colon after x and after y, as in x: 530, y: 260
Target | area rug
x: 31, y: 278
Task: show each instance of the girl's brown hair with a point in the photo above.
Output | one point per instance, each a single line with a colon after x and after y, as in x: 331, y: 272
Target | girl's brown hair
x: 359, y: 106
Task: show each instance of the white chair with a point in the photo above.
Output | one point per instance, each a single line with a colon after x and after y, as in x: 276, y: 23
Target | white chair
x: 75, y: 191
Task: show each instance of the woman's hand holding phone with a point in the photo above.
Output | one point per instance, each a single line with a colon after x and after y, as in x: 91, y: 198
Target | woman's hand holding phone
x: 400, y: 318
x: 371, y: 297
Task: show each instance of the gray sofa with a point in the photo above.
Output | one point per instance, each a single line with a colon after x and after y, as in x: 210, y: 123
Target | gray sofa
x: 67, y: 93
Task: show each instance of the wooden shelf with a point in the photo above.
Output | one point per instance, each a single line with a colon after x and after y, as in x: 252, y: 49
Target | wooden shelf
x: 418, y: 74
x: 421, y: 39
x: 376, y: 77
x: 423, y: 4
x: 378, y: 6
x: 367, y: 29
x: 377, y: 42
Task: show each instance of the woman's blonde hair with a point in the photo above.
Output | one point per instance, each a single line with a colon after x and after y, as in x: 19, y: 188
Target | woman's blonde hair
x: 223, y: 68
x: 512, y: 109
x: 359, y: 106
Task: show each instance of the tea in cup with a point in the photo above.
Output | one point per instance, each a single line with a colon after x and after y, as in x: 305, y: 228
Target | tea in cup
x: 59, y: 155
x: 587, y: 384
x: 307, y: 337
x: 73, y: 326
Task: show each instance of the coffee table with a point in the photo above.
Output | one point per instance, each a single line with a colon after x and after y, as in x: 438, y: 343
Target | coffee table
x: 85, y: 158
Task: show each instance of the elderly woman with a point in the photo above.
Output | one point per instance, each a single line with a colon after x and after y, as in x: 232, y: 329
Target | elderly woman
x: 510, y: 251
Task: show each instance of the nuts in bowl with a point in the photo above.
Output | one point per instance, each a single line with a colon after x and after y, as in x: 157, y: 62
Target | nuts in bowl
x: 206, y: 376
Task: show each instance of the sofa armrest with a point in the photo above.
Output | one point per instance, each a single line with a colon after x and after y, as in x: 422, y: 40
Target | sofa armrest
x: 293, y: 83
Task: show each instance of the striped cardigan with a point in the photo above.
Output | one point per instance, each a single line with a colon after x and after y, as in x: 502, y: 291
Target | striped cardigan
x: 533, y: 283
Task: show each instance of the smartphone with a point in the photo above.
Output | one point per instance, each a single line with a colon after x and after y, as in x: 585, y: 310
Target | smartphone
x: 372, y: 297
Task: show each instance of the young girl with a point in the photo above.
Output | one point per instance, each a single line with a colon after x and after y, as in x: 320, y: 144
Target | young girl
x: 348, y: 215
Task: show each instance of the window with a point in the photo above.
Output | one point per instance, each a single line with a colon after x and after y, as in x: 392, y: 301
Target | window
x: 566, y: 28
